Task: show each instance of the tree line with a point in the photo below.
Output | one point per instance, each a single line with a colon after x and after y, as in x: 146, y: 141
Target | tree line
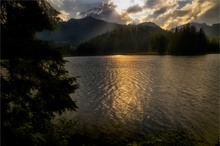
x: 135, y: 39
x: 128, y: 39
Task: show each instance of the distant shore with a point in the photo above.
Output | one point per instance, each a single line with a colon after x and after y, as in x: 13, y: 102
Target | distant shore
x: 135, y: 53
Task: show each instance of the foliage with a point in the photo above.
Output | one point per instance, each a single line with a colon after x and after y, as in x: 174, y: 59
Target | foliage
x: 213, y: 45
x: 115, y: 135
x: 167, y: 138
x: 134, y: 39
x: 187, y: 41
x: 34, y: 82
x: 159, y: 44
x: 128, y: 39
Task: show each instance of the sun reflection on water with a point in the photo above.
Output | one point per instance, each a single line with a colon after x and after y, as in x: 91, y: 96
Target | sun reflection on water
x: 125, y: 102
x: 144, y: 93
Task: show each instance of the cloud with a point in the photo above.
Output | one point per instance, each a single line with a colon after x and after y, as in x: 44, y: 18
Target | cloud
x: 193, y: 11
x: 75, y: 7
x: 64, y: 15
x: 96, y: 8
x: 152, y: 3
x: 180, y: 13
x: 56, y: 3
x: 159, y: 12
x: 69, y: 5
x: 211, y: 16
x: 94, y: 11
x: 134, y: 9
x: 166, y: 13
x: 106, y: 11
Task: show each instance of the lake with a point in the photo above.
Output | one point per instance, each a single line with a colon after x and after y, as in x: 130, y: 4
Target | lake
x: 147, y: 93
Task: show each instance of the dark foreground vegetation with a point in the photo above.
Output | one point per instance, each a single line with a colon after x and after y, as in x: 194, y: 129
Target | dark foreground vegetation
x: 117, y: 136
x: 159, y: 138
x: 133, y: 39
x: 34, y: 82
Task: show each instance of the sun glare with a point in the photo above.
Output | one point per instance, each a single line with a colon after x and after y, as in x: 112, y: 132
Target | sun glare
x: 118, y: 55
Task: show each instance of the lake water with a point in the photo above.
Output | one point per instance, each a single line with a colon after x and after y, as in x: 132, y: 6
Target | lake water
x: 147, y: 93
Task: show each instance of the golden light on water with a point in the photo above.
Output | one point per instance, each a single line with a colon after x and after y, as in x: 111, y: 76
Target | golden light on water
x: 139, y: 93
x: 118, y: 55
x: 126, y: 103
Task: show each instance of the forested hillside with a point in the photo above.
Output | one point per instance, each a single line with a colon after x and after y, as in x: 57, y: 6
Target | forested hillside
x: 129, y: 39
x: 137, y: 39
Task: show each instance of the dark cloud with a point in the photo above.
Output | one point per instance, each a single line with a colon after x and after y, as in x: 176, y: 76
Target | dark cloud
x: 152, y: 3
x: 180, y: 13
x: 134, y: 9
x: 106, y: 11
x: 160, y: 11
x: 211, y: 16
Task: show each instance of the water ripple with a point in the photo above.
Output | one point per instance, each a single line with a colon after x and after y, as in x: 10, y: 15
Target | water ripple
x: 148, y: 93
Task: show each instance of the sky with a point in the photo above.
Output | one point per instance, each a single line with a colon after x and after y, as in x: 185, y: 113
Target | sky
x: 165, y: 13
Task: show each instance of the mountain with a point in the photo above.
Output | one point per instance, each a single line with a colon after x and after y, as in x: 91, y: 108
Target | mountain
x: 149, y: 24
x: 210, y: 31
x: 140, y: 39
x: 78, y: 30
x: 75, y: 31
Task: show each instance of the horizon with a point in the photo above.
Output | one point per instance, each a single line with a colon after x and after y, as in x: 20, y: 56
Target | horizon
x: 166, y: 14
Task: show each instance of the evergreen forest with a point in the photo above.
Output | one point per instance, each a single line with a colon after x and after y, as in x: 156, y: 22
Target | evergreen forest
x: 137, y: 39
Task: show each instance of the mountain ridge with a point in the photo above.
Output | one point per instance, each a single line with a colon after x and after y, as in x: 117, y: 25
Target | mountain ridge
x: 76, y: 31
x: 72, y: 33
x: 152, y: 24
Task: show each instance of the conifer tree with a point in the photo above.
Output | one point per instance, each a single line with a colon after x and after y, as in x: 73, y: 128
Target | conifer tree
x: 34, y: 82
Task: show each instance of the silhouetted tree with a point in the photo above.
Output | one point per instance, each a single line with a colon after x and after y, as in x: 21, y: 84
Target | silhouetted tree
x: 213, y: 46
x: 135, y: 38
x: 34, y: 82
x: 159, y: 44
x: 128, y: 39
x: 202, y: 42
x: 187, y: 41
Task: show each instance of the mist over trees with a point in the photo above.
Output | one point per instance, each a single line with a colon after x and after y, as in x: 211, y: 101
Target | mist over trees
x: 34, y: 82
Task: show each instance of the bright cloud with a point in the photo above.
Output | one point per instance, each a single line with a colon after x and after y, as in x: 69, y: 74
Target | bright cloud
x: 189, y: 13
x: 122, y: 5
x: 64, y: 15
x: 171, y: 13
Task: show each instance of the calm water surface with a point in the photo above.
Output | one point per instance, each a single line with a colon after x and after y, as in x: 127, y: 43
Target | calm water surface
x: 147, y: 93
